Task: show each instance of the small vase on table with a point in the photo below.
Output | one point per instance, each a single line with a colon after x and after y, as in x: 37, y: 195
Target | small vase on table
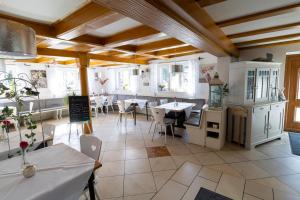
x: 28, y: 170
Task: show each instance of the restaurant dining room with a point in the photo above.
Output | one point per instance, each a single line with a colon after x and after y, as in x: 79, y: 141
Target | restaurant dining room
x: 150, y: 99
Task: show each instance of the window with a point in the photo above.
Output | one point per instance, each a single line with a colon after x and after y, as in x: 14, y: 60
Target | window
x: 168, y: 80
x: 164, y: 78
x: 123, y: 79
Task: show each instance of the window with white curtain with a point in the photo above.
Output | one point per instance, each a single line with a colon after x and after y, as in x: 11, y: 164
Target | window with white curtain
x: 174, y: 81
x: 122, y: 77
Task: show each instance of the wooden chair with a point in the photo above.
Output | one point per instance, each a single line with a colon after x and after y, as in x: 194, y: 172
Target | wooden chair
x: 49, y: 129
x: 98, y: 104
x: 123, y: 111
x: 163, y: 101
x: 151, y: 105
x: 91, y: 146
x: 109, y: 103
x: 160, y: 120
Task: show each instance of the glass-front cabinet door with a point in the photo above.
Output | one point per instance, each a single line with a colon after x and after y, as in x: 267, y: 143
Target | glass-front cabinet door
x: 274, y: 84
x: 250, y: 86
x: 262, y: 84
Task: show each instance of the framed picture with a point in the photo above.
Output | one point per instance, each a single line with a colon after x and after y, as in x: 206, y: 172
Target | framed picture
x: 206, y: 72
x: 39, y: 77
x: 96, y: 76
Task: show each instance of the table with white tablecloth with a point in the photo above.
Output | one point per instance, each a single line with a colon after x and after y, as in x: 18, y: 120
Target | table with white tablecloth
x: 178, y: 107
x: 180, y: 111
x: 62, y: 173
x: 141, y: 103
x: 10, y: 145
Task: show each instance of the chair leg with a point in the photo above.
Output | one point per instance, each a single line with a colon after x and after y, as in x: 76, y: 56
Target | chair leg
x: 96, y: 112
x: 112, y: 107
x: 70, y: 131
x: 165, y: 134
x: 119, y: 119
x: 106, y: 109
x: 154, y: 131
x: 96, y: 193
x: 150, y: 127
x: 172, y: 130
x: 85, y: 195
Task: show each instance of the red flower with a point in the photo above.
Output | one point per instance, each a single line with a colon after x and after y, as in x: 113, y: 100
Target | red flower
x: 23, y: 145
x: 6, y: 122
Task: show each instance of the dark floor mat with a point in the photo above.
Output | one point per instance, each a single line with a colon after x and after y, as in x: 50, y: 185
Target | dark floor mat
x: 295, y: 143
x: 205, y: 194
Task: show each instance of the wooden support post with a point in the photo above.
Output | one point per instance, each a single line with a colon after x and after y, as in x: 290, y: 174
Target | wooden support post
x: 83, y: 62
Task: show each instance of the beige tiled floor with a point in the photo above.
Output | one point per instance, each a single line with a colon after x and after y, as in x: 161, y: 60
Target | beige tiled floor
x: 267, y: 172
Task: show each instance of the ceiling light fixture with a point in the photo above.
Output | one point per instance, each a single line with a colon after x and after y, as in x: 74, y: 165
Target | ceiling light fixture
x: 17, y: 41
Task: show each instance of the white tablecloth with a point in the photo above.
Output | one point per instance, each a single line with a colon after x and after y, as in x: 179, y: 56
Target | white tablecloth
x: 140, y: 102
x: 14, y: 140
x: 178, y: 107
x: 62, y: 174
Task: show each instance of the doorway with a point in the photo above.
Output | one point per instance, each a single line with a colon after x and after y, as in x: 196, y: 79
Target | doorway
x: 292, y: 92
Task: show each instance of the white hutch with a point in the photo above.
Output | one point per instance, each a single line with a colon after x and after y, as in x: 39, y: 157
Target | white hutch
x: 255, y: 115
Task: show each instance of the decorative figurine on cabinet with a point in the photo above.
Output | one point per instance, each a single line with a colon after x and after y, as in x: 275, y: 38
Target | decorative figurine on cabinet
x: 215, y: 92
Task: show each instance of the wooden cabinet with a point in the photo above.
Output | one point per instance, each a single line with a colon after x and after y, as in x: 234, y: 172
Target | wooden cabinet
x: 276, y: 115
x: 263, y: 123
x: 253, y: 82
x: 211, y: 132
x: 259, y: 123
x: 253, y: 86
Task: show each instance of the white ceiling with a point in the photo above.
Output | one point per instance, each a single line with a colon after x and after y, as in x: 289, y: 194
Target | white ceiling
x: 44, y: 11
x: 285, y: 40
x: 263, y: 23
x: 159, y: 37
x: 235, y: 8
x: 267, y: 35
x: 231, y: 9
x: 116, y: 27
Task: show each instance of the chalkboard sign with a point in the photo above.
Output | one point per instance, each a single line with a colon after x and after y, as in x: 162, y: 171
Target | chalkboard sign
x: 79, y: 110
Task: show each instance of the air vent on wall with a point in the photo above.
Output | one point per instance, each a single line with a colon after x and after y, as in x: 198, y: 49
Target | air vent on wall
x: 177, y: 68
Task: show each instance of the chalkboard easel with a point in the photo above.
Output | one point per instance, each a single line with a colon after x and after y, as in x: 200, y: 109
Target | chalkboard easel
x: 79, y: 111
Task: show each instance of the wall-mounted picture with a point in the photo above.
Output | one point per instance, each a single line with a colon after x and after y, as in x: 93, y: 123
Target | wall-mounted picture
x: 71, y: 78
x: 206, y: 72
x: 96, y: 76
x: 39, y: 77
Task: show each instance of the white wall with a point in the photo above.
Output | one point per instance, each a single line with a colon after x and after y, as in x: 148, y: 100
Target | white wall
x: 198, y: 90
x: 55, y: 77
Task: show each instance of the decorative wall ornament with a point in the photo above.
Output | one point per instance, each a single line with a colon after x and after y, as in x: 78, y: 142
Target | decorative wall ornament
x: 206, y: 72
x: 39, y: 77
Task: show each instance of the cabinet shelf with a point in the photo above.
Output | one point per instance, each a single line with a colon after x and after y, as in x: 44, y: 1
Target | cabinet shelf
x: 213, y: 130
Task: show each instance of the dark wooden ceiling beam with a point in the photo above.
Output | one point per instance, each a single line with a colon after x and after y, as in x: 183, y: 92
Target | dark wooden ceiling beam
x: 184, y: 54
x: 204, y: 3
x: 199, y: 18
x: 165, y: 20
x: 76, y: 54
x: 265, y: 30
x: 260, y: 15
x: 175, y: 51
x: 139, y: 33
x: 269, y: 39
x: 271, y: 44
x: 90, y: 17
x: 159, y: 45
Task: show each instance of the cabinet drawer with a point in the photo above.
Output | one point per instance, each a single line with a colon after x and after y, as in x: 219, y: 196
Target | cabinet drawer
x: 214, y: 116
x: 261, y: 109
x: 278, y: 106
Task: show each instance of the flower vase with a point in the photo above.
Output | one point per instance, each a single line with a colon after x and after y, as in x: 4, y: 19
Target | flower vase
x: 3, y: 135
x: 28, y: 170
